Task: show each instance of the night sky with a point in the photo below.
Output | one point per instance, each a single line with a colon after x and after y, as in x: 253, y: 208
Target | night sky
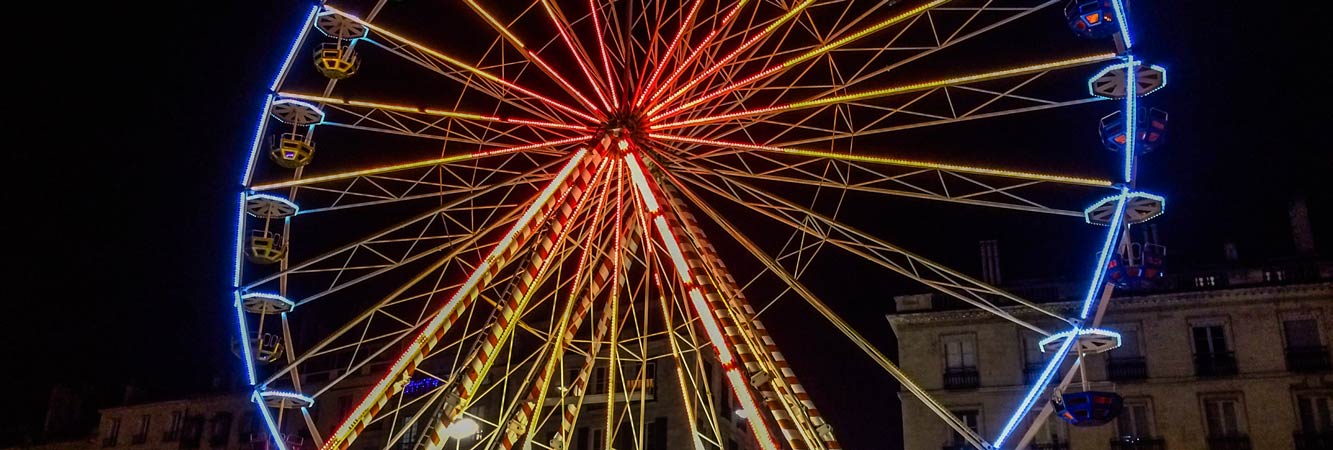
x: 138, y: 117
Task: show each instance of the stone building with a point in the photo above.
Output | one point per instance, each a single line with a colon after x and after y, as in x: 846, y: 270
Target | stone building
x: 215, y: 422
x: 1232, y: 359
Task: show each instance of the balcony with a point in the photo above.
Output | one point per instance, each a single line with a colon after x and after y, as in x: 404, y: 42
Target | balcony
x: 1314, y: 441
x: 1307, y: 359
x: 1236, y: 442
x: 961, y: 378
x: 1031, y: 372
x: 1138, y: 443
x: 1215, y: 364
x: 1127, y: 368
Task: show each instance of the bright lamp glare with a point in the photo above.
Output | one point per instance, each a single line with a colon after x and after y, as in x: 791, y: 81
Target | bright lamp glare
x: 461, y: 428
x: 741, y: 414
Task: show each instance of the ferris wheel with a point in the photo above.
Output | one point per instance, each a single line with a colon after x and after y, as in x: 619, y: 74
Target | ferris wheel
x: 493, y: 224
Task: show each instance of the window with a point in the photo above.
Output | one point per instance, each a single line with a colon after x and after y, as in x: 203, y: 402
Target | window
x: 141, y: 436
x: 598, y: 439
x: 582, y: 439
x: 1305, y: 349
x: 731, y: 444
x: 246, y: 429
x: 1136, y: 420
x: 174, y: 426
x: 112, y: 432
x: 1126, y: 362
x: 1210, y: 338
x: 1301, y: 331
x: 598, y: 381
x: 969, y: 417
x: 1033, y: 358
x: 656, y: 435
x: 1316, y: 412
x: 1212, y: 354
x: 192, y: 431
x: 219, y: 429
x: 1054, y: 434
x: 960, y: 361
x: 1224, y: 416
x: 960, y: 351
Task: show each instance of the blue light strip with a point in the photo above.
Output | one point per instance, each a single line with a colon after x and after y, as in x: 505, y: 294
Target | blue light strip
x: 260, y: 124
x: 1099, y: 272
x: 240, y: 243
x: 290, y: 304
x: 1080, y: 332
x: 1119, y: 6
x: 294, y: 206
x: 1131, y: 113
x: 245, y: 339
x: 1031, y: 397
x: 268, y: 421
x: 296, y: 45
x: 305, y: 399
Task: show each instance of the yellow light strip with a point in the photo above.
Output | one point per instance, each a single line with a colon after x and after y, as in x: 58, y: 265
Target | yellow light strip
x: 1085, y: 181
x: 427, y: 111
x: 885, y: 92
x: 496, y: 24
x: 797, y: 60
x: 860, y: 34
x: 413, y: 165
x: 481, y: 73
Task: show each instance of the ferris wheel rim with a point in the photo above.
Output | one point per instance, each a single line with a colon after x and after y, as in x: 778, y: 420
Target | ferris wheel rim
x: 299, y: 113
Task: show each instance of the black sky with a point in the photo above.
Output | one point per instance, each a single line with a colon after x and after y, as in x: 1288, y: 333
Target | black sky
x: 137, y: 116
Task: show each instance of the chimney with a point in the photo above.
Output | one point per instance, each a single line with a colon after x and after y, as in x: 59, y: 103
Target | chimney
x: 1301, y: 231
x: 1230, y: 249
x: 990, y: 262
x: 130, y: 395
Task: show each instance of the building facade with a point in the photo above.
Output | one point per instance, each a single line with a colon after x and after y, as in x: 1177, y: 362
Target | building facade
x: 216, y: 422
x: 1239, y: 361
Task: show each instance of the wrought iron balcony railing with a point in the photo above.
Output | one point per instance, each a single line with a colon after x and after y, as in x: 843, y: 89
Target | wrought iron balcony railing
x: 1233, y: 442
x: 1138, y: 443
x: 1215, y: 364
x: 961, y: 378
x: 1308, y: 359
x: 1127, y: 368
x: 1314, y: 441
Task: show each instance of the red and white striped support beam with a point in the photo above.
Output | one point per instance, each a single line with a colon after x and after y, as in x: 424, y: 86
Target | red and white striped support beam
x: 575, y: 171
x: 714, y: 320
x: 531, y: 406
x: 783, y: 394
x: 483, y: 355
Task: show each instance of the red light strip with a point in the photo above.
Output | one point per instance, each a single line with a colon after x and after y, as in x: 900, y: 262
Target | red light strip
x: 601, y: 48
x: 662, y: 63
x: 731, y: 56
x: 736, y: 381
x: 556, y: 19
x: 680, y: 70
x: 563, y: 82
